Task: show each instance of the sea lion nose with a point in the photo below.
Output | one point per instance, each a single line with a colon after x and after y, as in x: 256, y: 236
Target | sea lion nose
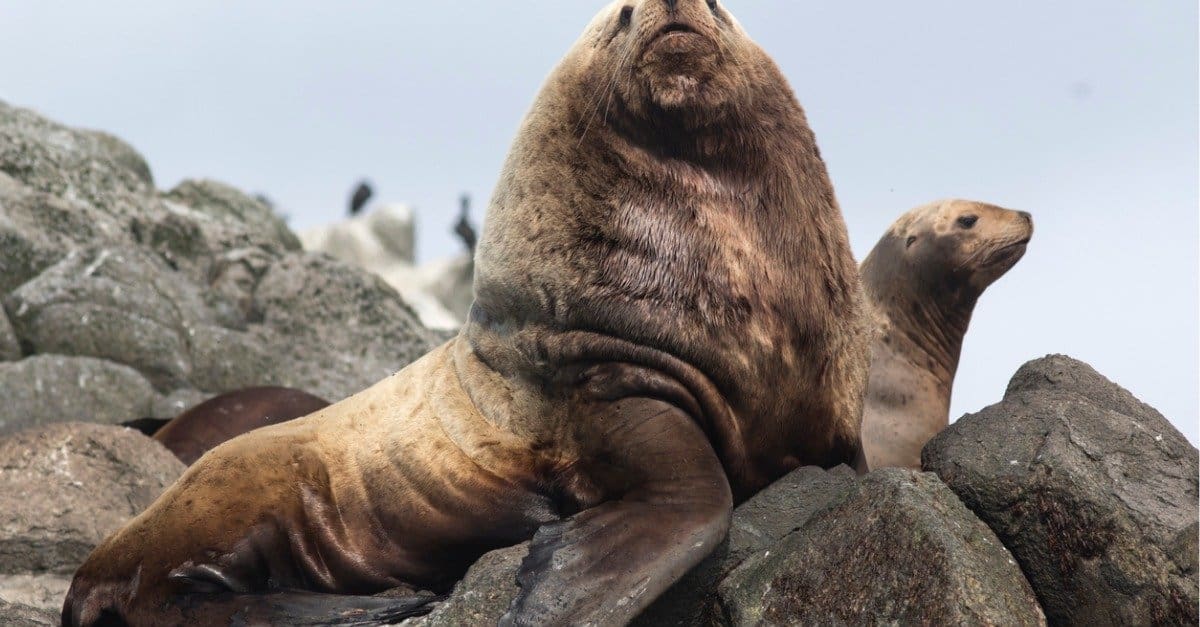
x: 671, y: 5
x: 1026, y: 216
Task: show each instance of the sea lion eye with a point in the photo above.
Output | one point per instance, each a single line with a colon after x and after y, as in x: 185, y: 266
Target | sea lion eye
x: 626, y: 16
x: 967, y: 221
x: 911, y: 239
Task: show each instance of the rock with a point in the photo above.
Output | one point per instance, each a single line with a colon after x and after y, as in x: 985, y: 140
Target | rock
x: 113, y: 303
x: 177, y: 402
x: 1093, y: 491
x: 490, y: 585
x: 10, y: 347
x: 227, y: 203
x: 43, y: 592
x: 38, y: 229
x: 19, y: 615
x: 376, y: 240
x: 484, y: 594
x: 64, y: 487
x: 757, y: 524
x: 224, y: 359
x: 382, y: 242
x: 334, y: 329
x: 51, y: 388
x: 901, y: 549
x: 89, y: 166
x: 451, y: 281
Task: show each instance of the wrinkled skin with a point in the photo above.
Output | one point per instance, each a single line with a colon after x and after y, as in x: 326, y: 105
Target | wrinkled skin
x: 667, y: 318
x: 923, y: 280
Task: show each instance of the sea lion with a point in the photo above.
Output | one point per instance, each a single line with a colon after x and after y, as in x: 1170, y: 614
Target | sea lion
x: 923, y: 279
x: 201, y: 428
x: 668, y: 317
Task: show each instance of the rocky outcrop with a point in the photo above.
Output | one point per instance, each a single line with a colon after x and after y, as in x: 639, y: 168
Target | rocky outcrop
x: 1093, y: 491
x: 899, y: 549
x: 196, y: 291
x: 382, y: 242
x: 817, y: 547
x: 51, y: 388
x: 38, y: 594
x: 66, y: 486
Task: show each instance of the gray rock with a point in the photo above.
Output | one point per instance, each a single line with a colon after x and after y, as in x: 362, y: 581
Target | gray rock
x: 334, y: 329
x: 224, y: 359
x: 19, y: 615
x: 759, y: 523
x: 10, y: 347
x: 64, y: 487
x: 89, y: 166
x: 1093, y: 491
x: 51, y: 388
x: 484, y: 594
x: 43, y: 592
x: 38, y: 229
x: 113, y: 303
x: 228, y: 204
x: 900, y: 550
x: 177, y: 402
x: 490, y: 585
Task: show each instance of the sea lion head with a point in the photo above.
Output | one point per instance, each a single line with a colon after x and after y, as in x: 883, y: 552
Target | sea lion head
x: 959, y: 243
x: 671, y: 57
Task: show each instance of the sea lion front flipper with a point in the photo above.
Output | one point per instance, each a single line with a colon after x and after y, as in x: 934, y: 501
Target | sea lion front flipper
x: 605, y: 564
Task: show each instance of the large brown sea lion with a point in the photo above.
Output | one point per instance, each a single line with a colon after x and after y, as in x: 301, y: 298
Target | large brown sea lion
x: 923, y: 279
x: 667, y: 318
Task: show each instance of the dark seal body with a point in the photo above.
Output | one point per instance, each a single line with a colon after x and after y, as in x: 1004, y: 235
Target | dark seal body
x: 197, y: 430
x: 923, y: 280
x: 667, y: 318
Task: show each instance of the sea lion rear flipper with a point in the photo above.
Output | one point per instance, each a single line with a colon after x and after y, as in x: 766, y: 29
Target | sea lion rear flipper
x: 605, y: 564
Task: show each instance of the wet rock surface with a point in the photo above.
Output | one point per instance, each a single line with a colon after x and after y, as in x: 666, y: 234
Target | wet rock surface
x: 1093, y: 491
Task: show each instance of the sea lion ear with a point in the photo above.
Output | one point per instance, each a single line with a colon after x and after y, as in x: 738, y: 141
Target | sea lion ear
x: 606, y: 564
x: 205, y: 579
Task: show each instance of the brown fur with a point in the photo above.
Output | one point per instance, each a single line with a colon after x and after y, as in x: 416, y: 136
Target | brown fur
x: 224, y: 417
x: 668, y: 317
x: 923, y: 279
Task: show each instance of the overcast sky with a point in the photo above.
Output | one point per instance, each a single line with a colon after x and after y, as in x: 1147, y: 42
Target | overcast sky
x: 1083, y: 112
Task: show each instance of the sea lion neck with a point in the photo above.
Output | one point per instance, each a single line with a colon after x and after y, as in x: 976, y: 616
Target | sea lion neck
x: 928, y: 317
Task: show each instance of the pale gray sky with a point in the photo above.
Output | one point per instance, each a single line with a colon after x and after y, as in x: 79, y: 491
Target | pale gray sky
x: 1083, y: 112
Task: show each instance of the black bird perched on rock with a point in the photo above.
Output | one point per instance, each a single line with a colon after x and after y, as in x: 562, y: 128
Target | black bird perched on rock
x: 464, y: 229
x: 361, y: 195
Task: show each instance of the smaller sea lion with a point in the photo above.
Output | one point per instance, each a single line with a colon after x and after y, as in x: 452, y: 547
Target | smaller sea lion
x: 201, y: 428
x: 923, y: 279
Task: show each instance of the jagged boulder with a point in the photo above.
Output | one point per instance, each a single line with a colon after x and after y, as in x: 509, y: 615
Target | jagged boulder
x: 66, y: 486
x: 51, y: 388
x: 1093, y: 491
x: 199, y: 290
x: 117, y: 304
x: 899, y: 549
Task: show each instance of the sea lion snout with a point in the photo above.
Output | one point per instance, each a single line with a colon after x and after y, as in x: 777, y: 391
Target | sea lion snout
x: 91, y: 605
